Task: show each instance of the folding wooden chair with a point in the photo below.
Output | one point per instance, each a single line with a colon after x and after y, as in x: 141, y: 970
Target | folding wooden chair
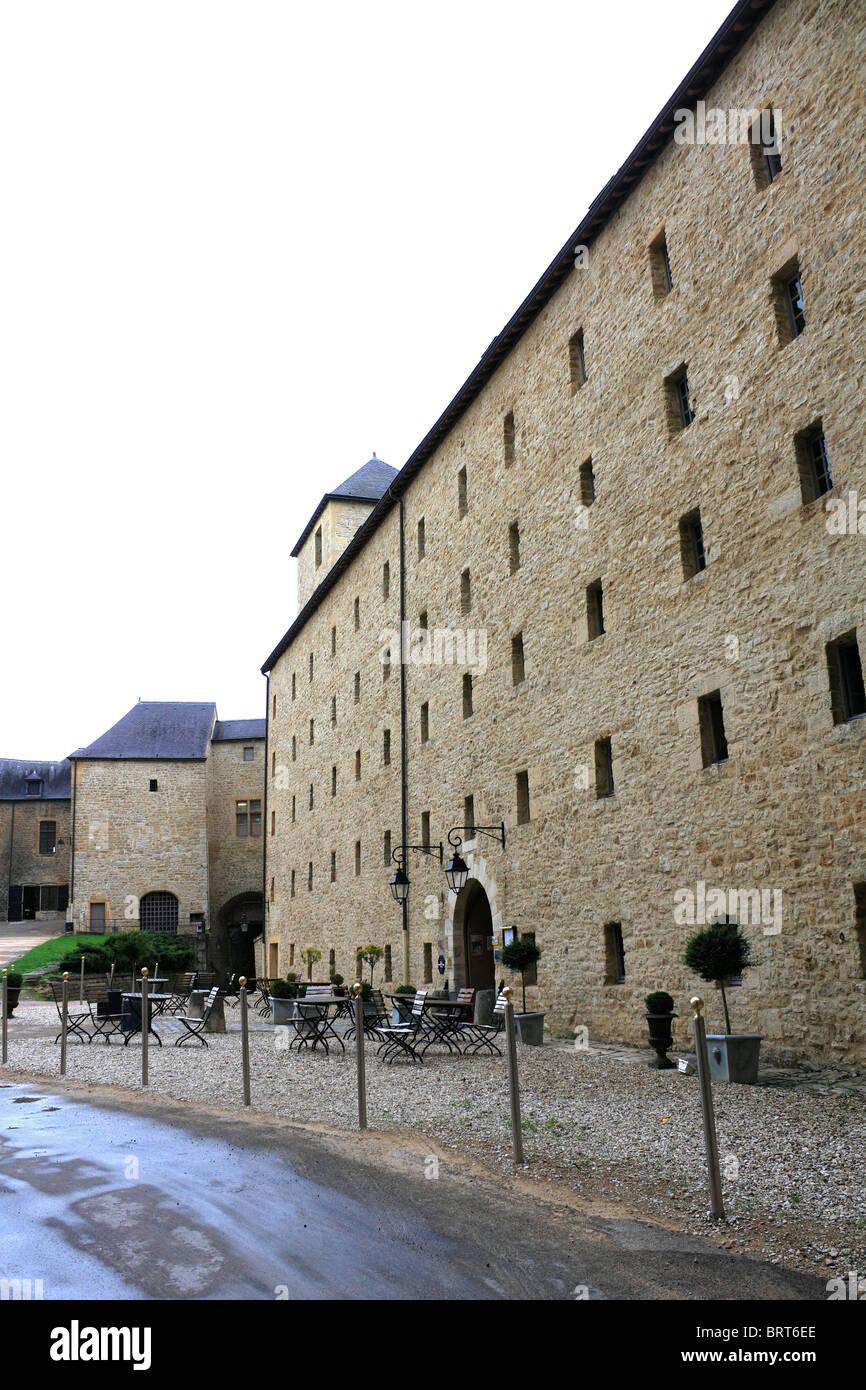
x: 195, y: 1026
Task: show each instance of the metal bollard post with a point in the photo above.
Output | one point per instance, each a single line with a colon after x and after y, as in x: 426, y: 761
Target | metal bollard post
x: 513, y: 1084
x: 360, y: 1057
x: 5, y: 1003
x: 145, y: 1027
x: 711, y: 1143
x: 245, y: 1040
x: 81, y: 984
x: 64, y: 1021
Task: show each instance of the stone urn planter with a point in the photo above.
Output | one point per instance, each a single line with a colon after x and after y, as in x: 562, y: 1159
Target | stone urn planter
x: 660, y: 1016
x: 530, y: 1028
x: 734, y: 1056
x: 13, y: 992
x: 282, y: 1010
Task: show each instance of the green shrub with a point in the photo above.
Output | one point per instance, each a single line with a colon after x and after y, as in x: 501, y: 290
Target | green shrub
x: 717, y: 954
x: 336, y: 979
x: 405, y: 989
x: 129, y: 949
x: 96, y: 962
x: 659, y: 1003
x: 283, y: 989
x: 13, y: 980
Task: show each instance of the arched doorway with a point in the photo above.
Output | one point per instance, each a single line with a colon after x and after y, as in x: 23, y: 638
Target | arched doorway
x: 239, y: 922
x: 475, y: 926
x: 158, y: 912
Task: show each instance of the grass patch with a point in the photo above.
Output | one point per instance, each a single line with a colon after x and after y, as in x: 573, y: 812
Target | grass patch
x: 50, y: 952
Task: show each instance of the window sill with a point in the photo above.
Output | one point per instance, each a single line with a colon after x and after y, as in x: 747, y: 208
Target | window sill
x: 848, y: 729
x: 716, y: 771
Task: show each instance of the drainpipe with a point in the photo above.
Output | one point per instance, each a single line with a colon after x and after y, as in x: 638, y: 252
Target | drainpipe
x: 71, y: 903
x: 404, y: 780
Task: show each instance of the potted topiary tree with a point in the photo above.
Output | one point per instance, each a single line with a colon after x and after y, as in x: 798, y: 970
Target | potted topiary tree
x: 14, y: 981
x: 338, y: 984
x: 372, y: 955
x: 284, y: 996
x: 660, y: 1016
x: 310, y: 955
x: 718, y: 954
x: 521, y: 955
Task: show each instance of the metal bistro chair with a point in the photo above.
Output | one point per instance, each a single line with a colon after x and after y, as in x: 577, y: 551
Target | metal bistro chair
x: 134, y: 1015
x: 105, y: 1024
x: 373, y: 1023
x: 181, y: 989
x: 402, y: 1039
x: 263, y: 1003
x: 195, y: 1027
x: 482, y: 1036
x: 77, y: 1016
x: 444, y: 1025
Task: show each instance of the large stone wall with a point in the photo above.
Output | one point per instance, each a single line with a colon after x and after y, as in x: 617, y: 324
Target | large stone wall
x: 785, y: 812
x: 130, y: 841
x: 20, y: 860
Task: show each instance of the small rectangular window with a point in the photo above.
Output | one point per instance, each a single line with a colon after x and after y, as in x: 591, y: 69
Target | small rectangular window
x: 291, y: 895
x: 462, y: 501
x: 48, y: 837
x: 386, y: 664
x: 594, y: 610
x: 847, y: 695
x: 518, y: 669
x: 386, y: 747
x: 423, y: 621
x: 467, y: 696
x: 357, y: 687
x: 787, y: 298
x: 678, y: 401
x: 333, y: 711
x: 249, y: 755
x: 386, y: 579
x: 274, y: 763
x: 242, y: 818
x: 469, y: 815
x: 714, y: 744
x: 422, y: 539
x: 388, y: 966
x: 356, y: 614
x: 311, y: 796
x: 294, y: 809
x: 333, y: 866
x: 334, y: 781
x: 514, y: 547
x: 294, y: 685
x: 587, y: 483
x: 310, y: 877
x: 692, y: 544
x: 333, y: 641
x: 273, y: 706
x: 312, y: 662
x: 425, y: 829
x: 256, y: 819
x: 294, y: 748
x: 660, y: 268
x: 466, y: 592
x: 318, y: 546
x: 273, y: 822
x: 273, y: 892
x: 425, y: 722
x: 522, y: 787
x: 614, y: 954
x: 357, y: 858
x: 428, y: 962
x: 577, y: 360
x: 813, y: 463
x: 764, y: 148
x: 603, y: 768
x: 154, y: 785
x: 312, y: 732
x: 508, y: 438
x: 386, y: 848
x: 358, y: 765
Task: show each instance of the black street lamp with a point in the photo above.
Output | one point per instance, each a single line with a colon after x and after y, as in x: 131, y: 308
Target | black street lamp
x: 399, y: 883
x: 457, y: 870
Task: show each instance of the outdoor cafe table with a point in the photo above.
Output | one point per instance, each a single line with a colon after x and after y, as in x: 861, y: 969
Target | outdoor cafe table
x: 441, y: 1028
x: 132, y: 1012
x: 152, y: 980
x: 314, y: 1022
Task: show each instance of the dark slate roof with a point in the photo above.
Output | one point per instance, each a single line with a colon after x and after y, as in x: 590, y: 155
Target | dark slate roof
x: 366, y: 484
x: 153, y: 730
x: 228, y: 730
x: 728, y: 39
x: 56, y: 779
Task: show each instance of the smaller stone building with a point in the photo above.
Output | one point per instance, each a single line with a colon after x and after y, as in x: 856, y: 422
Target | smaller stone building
x: 35, y: 830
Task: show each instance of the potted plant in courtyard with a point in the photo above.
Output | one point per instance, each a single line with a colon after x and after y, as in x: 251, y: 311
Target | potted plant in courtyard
x: 660, y: 1016
x: 371, y: 955
x: 719, y: 954
x: 521, y: 955
x: 310, y: 955
x: 283, y: 996
x: 14, y: 981
x: 338, y: 985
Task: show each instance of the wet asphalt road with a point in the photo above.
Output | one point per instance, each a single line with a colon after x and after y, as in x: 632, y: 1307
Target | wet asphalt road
x: 109, y: 1200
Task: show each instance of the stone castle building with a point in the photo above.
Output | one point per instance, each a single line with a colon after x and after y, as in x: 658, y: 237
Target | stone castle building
x: 625, y: 575
x: 157, y: 824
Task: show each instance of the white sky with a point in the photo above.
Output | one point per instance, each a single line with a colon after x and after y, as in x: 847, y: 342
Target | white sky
x: 244, y: 245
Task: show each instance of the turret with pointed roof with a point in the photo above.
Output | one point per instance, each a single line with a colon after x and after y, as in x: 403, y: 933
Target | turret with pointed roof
x: 335, y: 521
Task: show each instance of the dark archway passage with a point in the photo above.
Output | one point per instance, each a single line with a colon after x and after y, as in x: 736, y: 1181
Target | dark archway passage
x: 477, y: 937
x: 239, y: 922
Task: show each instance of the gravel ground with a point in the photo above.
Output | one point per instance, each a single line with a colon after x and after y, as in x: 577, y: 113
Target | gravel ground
x: 794, y: 1164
